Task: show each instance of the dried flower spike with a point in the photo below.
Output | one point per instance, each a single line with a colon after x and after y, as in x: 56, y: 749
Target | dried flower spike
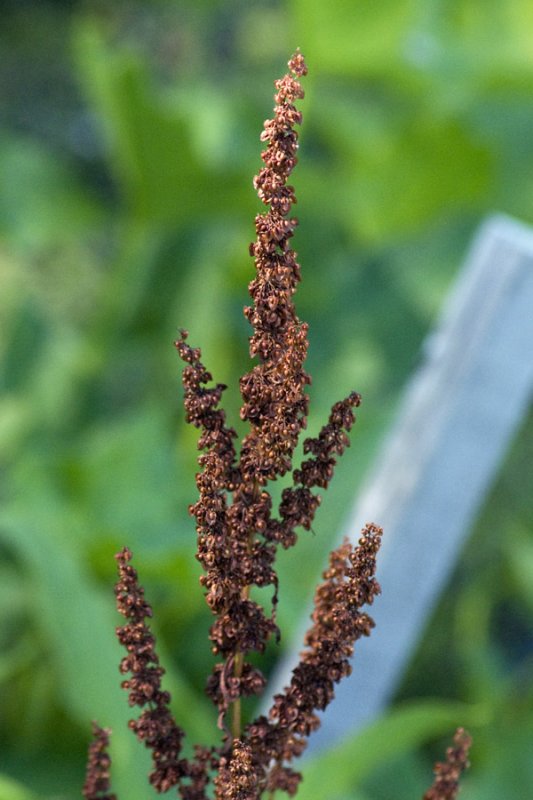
x: 447, y: 773
x: 236, y: 540
x: 156, y: 726
x: 237, y: 778
x: 97, y: 785
x: 239, y: 536
x: 338, y: 622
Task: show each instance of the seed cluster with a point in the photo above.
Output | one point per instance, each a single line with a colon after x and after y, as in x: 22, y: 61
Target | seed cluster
x: 448, y: 773
x: 155, y: 726
x: 239, y: 534
x: 238, y: 537
x: 97, y: 785
x: 274, y: 399
x: 338, y: 622
x: 237, y: 778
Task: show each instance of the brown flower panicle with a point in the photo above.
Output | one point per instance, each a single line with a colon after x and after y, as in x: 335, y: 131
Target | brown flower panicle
x: 237, y: 777
x: 447, y: 773
x: 156, y: 726
x: 273, y: 392
x: 299, y: 504
x: 239, y: 534
x: 97, y: 785
x: 237, y: 539
x: 338, y: 622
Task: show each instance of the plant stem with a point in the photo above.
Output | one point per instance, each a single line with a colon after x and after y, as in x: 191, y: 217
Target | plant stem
x: 236, y: 710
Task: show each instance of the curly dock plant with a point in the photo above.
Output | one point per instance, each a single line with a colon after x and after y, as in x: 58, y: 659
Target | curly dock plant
x: 239, y: 533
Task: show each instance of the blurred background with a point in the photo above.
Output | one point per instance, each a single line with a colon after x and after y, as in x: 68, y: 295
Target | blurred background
x: 129, y: 139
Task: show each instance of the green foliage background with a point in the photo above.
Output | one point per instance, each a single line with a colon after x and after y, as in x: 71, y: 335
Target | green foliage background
x: 130, y: 139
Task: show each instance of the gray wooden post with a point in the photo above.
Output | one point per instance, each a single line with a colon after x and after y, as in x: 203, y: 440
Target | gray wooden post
x: 457, y: 418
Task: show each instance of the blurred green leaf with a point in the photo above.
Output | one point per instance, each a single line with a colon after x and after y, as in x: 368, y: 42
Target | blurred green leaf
x: 339, y: 770
x: 482, y: 39
x: 427, y: 166
x: 13, y: 790
x: 41, y: 200
x: 124, y: 474
x: 489, y: 36
x: 149, y: 137
x: 354, y: 37
x: 80, y: 625
x: 520, y: 557
x: 16, y: 657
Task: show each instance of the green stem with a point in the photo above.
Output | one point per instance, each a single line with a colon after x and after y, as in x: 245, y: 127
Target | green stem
x: 236, y: 709
x: 236, y: 706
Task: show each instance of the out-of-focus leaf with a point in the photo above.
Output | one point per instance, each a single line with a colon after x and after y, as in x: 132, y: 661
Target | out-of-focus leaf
x: 13, y: 790
x: 430, y: 167
x: 16, y: 657
x: 354, y: 37
x: 126, y: 481
x: 481, y: 665
x: 488, y: 36
x: 480, y: 40
x: 408, y: 171
x: 80, y: 625
x: 15, y: 419
x: 501, y: 766
x: 335, y: 773
x: 41, y: 201
x: 520, y: 559
x: 148, y: 137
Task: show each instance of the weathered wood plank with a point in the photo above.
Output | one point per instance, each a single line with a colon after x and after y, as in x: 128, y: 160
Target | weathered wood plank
x: 454, y: 425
